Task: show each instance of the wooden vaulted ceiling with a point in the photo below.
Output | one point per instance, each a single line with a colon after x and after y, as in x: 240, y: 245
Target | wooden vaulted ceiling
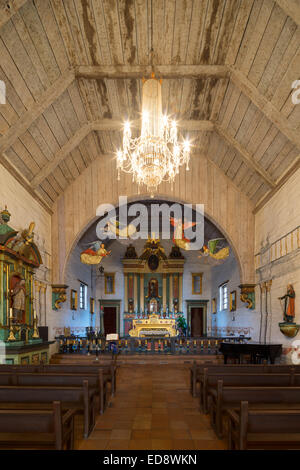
x: 73, y: 70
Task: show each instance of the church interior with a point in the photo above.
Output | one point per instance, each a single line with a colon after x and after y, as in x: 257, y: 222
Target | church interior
x: 149, y: 224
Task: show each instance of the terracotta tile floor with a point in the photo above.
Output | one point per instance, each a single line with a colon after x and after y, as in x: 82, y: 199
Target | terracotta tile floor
x: 152, y: 410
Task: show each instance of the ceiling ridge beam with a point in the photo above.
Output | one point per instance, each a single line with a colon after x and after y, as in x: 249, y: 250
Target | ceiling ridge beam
x: 279, y: 183
x: 9, y: 9
x: 43, y: 102
x: 265, y: 106
x: 291, y: 8
x: 24, y: 182
x: 142, y: 71
x: 245, y: 155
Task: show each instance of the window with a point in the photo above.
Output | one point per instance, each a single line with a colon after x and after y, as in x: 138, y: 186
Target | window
x: 109, y: 283
x: 197, y: 283
x: 223, y: 291
x: 82, y: 295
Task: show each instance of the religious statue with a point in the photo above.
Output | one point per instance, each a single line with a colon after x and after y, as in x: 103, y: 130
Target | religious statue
x: 94, y: 255
x: 18, y: 295
x: 23, y: 241
x: 289, y: 304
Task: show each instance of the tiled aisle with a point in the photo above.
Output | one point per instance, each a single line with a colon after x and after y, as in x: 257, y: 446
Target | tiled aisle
x: 153, y: 410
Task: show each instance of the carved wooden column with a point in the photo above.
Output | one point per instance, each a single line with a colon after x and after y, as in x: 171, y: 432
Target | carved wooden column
x: 171, y: 292
x: 142, y: 292
x: 164, y: 299
x: 135, y: 292
x: 125, y: 292
x: 180, y: 293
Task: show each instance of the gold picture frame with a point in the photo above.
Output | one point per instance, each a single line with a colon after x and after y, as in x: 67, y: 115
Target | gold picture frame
x: 214, y: 305
x: 197, y: 283
x: 109, y: 283
x: 73, y: 299
x: 92, y: 305
x: 232, y: 301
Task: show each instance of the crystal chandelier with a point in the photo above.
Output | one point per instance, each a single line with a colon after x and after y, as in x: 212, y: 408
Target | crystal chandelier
x: 156, y: 155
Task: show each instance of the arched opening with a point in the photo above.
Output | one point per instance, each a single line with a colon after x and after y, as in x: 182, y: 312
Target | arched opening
x: 118, y: 305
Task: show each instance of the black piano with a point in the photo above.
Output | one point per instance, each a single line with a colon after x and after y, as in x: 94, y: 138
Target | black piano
x: 257, y: 351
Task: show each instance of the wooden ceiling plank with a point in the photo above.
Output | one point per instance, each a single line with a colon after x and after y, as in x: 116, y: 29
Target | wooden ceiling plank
x: 101, y: 33
x: 265, y: 106
x: 43, y: 102
x: 7, y: 12
x: 53, y: 33
x: 268, y: 42
x: 65, y: 30
x: 257, y: 35
x: 245, y: 155
x: 128, y: 31
x: 181, y: 33
x: 40, y: 39
x: 196, y: 31
x: 283, y: 66
x: 291, y: 8
x: 111, y: 16
x: 238, y: 31
x: 29, y: 46
x: 226, y: 28
x: 89, y: 35
x: 277, y: 56
x: 77, y: 39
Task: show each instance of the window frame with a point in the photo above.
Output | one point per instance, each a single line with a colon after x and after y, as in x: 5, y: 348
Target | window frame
x: 82, y: 298
x: 223, y: 296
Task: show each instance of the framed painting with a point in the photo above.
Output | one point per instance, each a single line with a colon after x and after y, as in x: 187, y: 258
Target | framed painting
x: 232, y: 301
x: 35, y: 359
x: 73, y: 299
x: 214, y: 305
x: 92, y: 305
x: 197, y: 283
x: 25, y: 360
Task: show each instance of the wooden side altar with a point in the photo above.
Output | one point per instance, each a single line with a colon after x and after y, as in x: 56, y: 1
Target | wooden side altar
x: 154, y: 325
x: 19, y: 257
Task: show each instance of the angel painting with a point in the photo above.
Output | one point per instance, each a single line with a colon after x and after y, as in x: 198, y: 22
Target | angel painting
x: 211, y: 250
x: 115, y: 227
x: 178, y: 238
x: 95, y: 254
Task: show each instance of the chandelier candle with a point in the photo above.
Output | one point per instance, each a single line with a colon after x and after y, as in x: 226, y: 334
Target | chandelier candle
x: 157, y: 154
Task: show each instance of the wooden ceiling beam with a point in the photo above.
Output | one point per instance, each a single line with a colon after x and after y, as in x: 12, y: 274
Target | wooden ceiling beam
x: 291, y: 8
x: 101, y: 125
x: 279, y: 183
x: 143, y: 71
x: 245, y: 155
x: 44, y: 101
x: 265, y: 106
x: 23, y: 182
x: 8, y: 8
x: 61, y: 154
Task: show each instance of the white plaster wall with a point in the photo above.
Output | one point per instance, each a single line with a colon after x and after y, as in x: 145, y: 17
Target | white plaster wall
x: 78, y: 319
x: 278, y: 217
x: 243, y: 320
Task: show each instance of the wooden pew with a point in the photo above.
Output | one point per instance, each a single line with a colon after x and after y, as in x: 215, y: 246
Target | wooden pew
x: 109, y: 370
x: 210, y: 380
x: 58, y: 379
x: 82, y: 399
x: 197, y: 370
x: 46, y: 429
x: 223, y: 398
x: 263, y: 429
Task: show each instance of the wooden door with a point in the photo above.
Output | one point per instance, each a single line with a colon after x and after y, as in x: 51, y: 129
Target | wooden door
x: 110, y: 320
x: 197, y: 321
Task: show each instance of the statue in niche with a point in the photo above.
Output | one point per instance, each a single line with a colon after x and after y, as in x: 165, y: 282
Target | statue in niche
x: 152, y: 289
x: 18, y: 295
x: 289, y: 304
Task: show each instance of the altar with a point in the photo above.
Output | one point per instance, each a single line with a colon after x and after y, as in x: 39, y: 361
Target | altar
x: 153, y: 325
